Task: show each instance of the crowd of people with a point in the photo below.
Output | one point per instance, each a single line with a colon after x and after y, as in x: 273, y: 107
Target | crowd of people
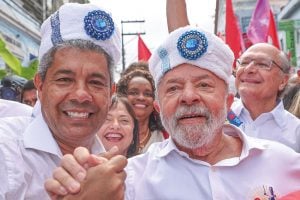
x: 181, y: 126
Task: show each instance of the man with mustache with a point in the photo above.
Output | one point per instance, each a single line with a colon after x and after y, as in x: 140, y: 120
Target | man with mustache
x: 80, y: 45
x: 203, y: 158
x: 262, y: 74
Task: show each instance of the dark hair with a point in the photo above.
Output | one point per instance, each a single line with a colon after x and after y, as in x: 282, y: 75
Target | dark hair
x: 133, y: 148
x: 29, y: 85
x: 141, y: 65
x: 122, y: 89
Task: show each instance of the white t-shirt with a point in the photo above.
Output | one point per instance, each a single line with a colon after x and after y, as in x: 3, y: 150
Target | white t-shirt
x: 164, y: 172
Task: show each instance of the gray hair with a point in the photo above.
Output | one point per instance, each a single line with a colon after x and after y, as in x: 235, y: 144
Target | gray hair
x: 48, y: 57
x: 286, y: 69
x: 284, y: 62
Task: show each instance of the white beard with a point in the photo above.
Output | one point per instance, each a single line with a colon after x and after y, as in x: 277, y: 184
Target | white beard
x: 198, y: 135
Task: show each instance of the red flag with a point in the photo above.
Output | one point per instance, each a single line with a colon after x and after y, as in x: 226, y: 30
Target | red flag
x: 232, y: 31
x: 143, y: 51
x: 272, y: 31
x: 262, y: 24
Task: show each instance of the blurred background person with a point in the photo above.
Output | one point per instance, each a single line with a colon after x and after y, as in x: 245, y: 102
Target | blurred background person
x: 120, y: 128
x: 7, y: 91
x: 11, y: 87
x: 29, y: 93
x: 138, y: 86
x: 291, y: 99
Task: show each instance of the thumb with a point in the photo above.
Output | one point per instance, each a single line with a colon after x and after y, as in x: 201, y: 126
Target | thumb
x: 110, y: 153
x: 118, y: 162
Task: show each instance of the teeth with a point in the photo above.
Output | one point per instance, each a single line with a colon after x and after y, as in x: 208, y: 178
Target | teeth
x: 113, y: 135
x: 78, y: 114
x: 140, y: 105
x: 191, y: 116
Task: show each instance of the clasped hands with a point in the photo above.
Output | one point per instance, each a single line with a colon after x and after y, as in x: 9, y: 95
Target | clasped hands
x: 87, y: 176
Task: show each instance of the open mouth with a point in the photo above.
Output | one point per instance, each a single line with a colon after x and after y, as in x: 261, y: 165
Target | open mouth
x: 192, y: 118
x: 78, y: 115
x: 140, y: 105
x: 113, y: 137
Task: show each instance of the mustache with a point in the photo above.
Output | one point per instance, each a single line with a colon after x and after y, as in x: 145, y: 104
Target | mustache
x: 193, y: 110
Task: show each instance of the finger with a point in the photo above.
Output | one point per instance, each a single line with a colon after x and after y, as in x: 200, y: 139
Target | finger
x: 81, y: 154
x: 118, y: 162
x: 71, y: 165
x: 111, y: 153
x: 94, y: 161
x: 54, y: 189
x: 66, y: 180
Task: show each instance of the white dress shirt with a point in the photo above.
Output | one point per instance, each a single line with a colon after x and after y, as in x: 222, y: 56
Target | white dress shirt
x: 278, y: 125
x: 28, y: 158
x: 13, y: 108
x: 263, y: 168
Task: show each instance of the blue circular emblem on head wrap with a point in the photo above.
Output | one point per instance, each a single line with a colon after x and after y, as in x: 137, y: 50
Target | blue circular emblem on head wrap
x: 99, y: 25
x: 192, y: 44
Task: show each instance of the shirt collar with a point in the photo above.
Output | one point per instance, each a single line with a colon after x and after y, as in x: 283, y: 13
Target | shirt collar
x: 38, y: 136
x: 279, y: 115
x: 249, y: 143
x: 238, y: 107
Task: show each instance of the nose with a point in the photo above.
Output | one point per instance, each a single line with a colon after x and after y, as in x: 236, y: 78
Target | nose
x: 115, y: 125
x: 81, y: 93
x: 141, y: 96
x: 189, y: 95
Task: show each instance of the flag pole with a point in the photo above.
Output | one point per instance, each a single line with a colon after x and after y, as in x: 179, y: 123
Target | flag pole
x: 124, y: 34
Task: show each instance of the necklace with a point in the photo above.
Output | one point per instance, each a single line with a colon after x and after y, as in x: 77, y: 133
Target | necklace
x: 144, y: 141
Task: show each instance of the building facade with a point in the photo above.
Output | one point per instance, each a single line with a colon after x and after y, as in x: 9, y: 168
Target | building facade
x: 20, y: 22
x: 289, y: 31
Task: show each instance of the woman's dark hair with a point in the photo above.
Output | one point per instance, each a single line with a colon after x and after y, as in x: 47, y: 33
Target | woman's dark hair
x: 122, y: 89
x: 140, y: 65
x: 133, y: 148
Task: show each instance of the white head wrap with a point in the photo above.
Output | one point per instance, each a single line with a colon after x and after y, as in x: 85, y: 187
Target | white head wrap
x: 81, y: 21
x: 192, y: 45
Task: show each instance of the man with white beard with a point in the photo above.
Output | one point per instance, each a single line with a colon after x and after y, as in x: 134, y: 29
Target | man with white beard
x: 203, y: 158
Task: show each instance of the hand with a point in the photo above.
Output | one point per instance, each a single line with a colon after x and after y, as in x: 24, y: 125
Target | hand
x: 66, y: 179
x: 105, y: 181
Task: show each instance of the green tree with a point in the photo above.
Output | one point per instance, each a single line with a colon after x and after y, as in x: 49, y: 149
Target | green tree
x: 15, y: 64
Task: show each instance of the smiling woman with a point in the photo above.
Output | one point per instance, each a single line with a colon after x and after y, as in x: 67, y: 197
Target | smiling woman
x: 120, y: 128
x: 138, y: 86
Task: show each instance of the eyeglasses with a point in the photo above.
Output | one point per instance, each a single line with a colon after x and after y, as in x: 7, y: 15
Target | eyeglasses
x: 263, y: 64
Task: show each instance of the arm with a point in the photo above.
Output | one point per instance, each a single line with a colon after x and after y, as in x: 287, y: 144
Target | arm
x: 176, y: 14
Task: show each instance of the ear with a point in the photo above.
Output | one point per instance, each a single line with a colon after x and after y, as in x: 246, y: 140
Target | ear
x: 38, y: 82
x: 156, y: 106
x: 229, y: 101
x: 284, y: 82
